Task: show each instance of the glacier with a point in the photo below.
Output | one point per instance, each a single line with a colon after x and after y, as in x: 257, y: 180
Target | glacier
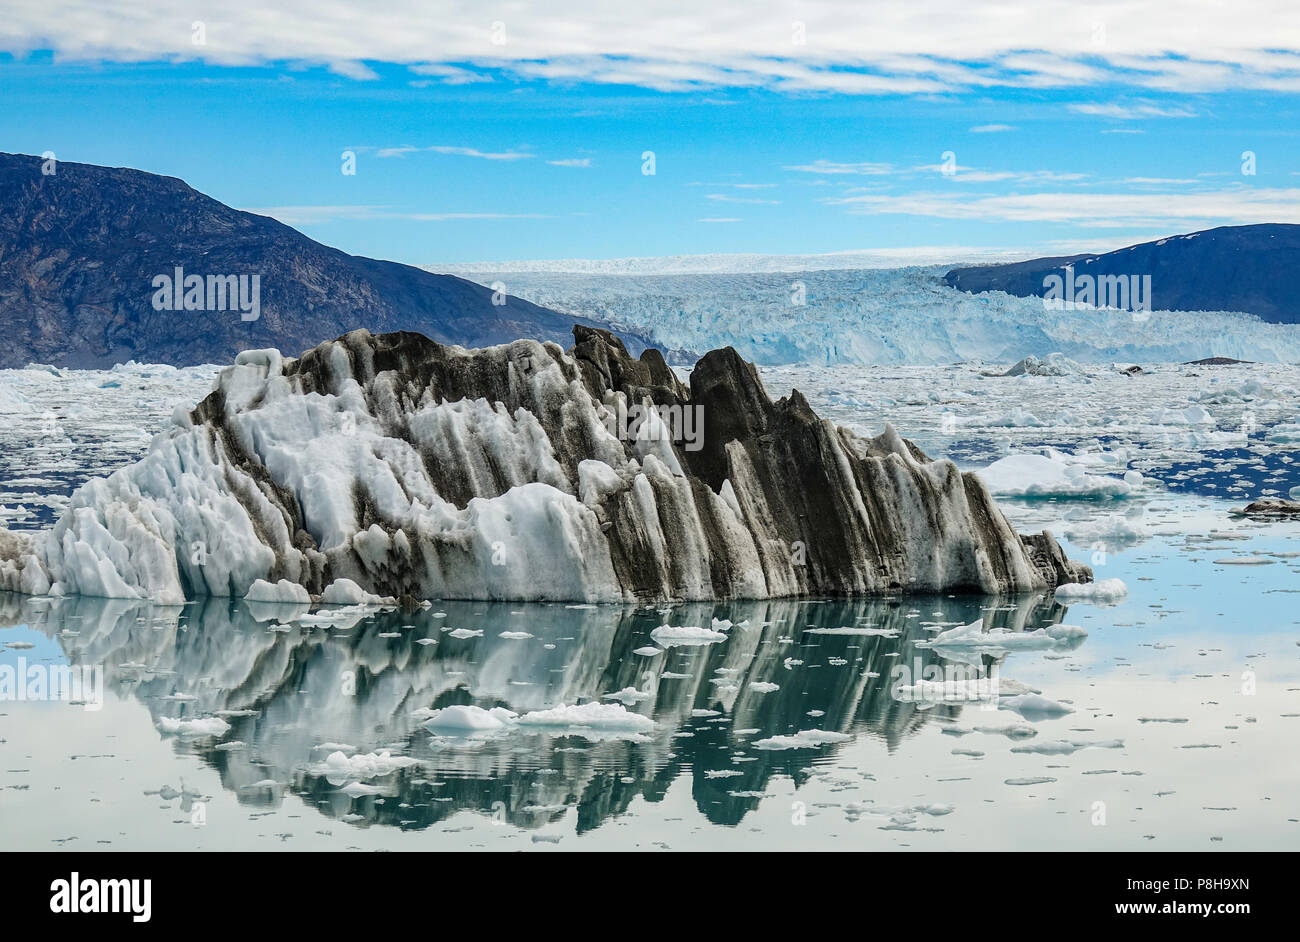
x: 395, y: 467
x: 872, y: 316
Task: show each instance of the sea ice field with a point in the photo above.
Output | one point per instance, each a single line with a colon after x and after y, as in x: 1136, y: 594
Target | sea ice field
x: 1157, y: 711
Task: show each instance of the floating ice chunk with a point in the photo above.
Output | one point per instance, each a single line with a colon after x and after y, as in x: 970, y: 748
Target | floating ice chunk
x: 12, y: 401
x: 194, y: 729
x: 648, y: 651
x: 852, y: 630
x: 629, y: 696
x: 805, y: 739
x: 466, y: 632
x: 347, y: 592
x: 515, y: 635
x: 1192, y: 415
x: 1049, y: 476
x: 468, y: 717
x: 339, y: 767
x: 1013, y: 731
x: 1248, y: 391
x: 974, y: 636
x: 282, y: 591
x: 1054, y: 364
x: 1105, y: 590
x: 261, y: 783
x: 360, y: 789
x: 1285, y: 433
x: 1067, y: 635
x: 763, y: 686
x: 671, y: 635
x: 947, y: 691
x: 1065, y: 747
x: 1029, y: 704
x: 594, y: 716
x: 343, y: 618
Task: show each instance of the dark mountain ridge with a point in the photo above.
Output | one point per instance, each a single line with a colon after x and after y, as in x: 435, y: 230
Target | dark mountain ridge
x: 1231, y: 268
x: 84, y: 251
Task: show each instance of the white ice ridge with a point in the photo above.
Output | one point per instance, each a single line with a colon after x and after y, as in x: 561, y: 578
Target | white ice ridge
x: 783, y: 313
x: 376, y: 467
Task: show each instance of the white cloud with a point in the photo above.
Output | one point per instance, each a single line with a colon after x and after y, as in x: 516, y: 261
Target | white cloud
x: 404, y: 149
x: 882, y: 47
x: 571, y: 162
x: 1130, y: 112
x: 1158, y: 181
x: 1188, y: 210
x: 971, y: 175
x: 832, y: 167
x: 450, y: 74
x: 726, y: 198
x: 471, y: 152
x: 315, y: 215
x: 991, y: 128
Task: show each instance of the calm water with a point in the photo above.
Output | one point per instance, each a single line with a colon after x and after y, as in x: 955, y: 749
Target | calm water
x: 1196, y: 675
x: 1185, y: 696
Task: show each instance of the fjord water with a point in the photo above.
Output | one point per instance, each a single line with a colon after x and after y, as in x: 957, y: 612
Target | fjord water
x: 1186, y: 697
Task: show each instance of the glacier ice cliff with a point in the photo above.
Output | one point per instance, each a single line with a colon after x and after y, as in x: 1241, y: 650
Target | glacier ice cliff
x: 883, y: 316
x: 419, y: 470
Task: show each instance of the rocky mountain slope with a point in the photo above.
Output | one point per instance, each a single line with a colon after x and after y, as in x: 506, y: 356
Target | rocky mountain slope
x: 80, y: 249
x: 1231, y: 268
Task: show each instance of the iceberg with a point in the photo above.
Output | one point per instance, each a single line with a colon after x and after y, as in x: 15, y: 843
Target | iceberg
x: 392, y: 467
x: 1054, y: 364
x: 1102, y: 591
x: 1051, y: 475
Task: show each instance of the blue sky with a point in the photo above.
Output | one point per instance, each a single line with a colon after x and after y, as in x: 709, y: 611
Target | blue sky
x: 462, y: 159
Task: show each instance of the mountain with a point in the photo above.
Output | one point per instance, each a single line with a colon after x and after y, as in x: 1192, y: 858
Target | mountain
x: 88, y: 254
x: 1231, y: 268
